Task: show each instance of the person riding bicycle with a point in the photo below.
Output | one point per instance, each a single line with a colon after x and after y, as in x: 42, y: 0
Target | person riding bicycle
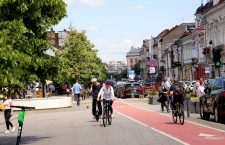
x: 95, y: 88
x: 178, y: 94
x: 107, y: 94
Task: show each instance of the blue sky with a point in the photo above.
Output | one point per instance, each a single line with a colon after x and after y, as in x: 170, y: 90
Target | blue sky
x: 113, y: 26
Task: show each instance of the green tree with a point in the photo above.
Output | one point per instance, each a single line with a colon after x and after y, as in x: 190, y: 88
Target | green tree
x: 23, y: 39
x: 137, y: 68
x: 79, y: 60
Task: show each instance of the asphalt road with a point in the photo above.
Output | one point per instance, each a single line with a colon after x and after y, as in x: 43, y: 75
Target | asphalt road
x: 75, y: 126
x: 135, y: 123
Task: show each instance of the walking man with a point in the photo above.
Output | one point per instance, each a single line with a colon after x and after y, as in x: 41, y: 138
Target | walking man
x: 76, y: 90
x: 95, y: 88
x: 167, y: 85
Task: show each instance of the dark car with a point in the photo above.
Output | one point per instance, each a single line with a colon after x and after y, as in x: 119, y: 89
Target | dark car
x: 132, y: 90
x: 213, y: 102
x: 118, y: 91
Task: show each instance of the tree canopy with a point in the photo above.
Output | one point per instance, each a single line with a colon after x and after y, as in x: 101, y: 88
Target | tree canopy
x: 23, y: 39
x: 79, y: 60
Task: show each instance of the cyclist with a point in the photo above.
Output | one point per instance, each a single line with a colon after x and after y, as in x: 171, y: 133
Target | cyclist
x: 95, y: 88
x: 178, y: 94
x: 107, y: 94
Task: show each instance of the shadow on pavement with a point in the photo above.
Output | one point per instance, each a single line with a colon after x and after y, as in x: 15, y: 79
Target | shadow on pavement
x: 11, y: 140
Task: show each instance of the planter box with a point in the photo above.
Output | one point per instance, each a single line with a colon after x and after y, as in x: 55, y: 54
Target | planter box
x: 153, y: 100
x: 194, y: 107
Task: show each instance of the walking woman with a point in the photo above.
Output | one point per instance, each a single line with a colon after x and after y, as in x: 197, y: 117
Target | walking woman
x: 163, y: 96
x: 7, y: 114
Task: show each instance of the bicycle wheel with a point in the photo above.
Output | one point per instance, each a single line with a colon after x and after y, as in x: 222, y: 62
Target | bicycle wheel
x: 181, y: 114
x: 104, y: 117
x: 109, y: 117
x: 174, y: 115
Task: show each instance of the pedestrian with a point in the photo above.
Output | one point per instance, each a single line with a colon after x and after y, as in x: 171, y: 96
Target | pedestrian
x: 8, y: 112
x: 107, y: 94
x: 200, y: 88
x: 163, y: 97
x: 167, y: 86
x: 95, y: 88
x: 77, y: 90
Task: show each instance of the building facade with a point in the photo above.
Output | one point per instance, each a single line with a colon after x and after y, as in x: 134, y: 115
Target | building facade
x: 213, y: 17
x: 116, y: 67
x: 132, y: 57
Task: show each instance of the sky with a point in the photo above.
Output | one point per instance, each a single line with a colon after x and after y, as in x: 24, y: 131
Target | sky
x: 114, y: 26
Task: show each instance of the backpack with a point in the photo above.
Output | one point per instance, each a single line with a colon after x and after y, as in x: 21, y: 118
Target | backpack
x: 178, y: 91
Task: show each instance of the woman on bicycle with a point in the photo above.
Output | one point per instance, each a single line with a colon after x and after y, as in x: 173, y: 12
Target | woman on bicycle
x: 107, y: 94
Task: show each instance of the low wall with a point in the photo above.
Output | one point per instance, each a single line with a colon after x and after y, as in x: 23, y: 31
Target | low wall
x: 44, y: 103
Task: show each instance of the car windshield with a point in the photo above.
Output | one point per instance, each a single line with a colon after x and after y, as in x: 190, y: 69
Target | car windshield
x: 137, y: 86
x: 128, y: 86
x: 147, y: 85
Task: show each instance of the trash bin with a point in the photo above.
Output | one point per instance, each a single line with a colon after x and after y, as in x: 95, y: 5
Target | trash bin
x: 150, y: 100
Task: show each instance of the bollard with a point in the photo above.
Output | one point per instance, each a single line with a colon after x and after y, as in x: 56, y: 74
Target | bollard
x: 188, y: 113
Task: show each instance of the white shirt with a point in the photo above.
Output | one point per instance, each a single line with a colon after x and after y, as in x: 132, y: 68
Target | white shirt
x: 106, y: 93
x: 8, y: 103
x: 200, y: 91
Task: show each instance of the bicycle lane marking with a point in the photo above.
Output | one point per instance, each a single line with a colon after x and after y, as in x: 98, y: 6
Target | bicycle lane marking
x: 188, y: 133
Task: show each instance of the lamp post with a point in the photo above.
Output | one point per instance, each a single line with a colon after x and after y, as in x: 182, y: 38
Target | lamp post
x: 161, y: 42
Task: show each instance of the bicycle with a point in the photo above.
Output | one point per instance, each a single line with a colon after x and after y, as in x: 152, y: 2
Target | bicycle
x: 106, y: 117
x: 179, y: 112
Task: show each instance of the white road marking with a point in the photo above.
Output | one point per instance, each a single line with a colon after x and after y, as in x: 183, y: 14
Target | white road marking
x: 176, y: 139
x: 169, y: 115
x: 206, y: 135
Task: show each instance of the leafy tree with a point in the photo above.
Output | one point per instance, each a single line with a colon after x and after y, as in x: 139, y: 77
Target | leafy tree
x: 23, y: 39
x: 79, y: 60
x: 137, y: 68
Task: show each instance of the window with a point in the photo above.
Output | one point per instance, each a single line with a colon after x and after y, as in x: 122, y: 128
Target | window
x: 131, y: 60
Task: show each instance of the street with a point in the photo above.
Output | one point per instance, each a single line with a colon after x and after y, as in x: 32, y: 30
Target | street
x: 131, y: 125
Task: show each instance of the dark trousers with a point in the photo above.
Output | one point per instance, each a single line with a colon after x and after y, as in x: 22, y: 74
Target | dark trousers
x: 94, y: 102
x: 77, y: 98
x: 110, y: 105
x: 7, y: 115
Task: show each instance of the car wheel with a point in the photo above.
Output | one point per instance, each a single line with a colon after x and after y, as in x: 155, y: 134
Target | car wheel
x: 216, y: 114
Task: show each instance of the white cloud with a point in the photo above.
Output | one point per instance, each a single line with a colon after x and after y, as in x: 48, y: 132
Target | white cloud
x: 137, y: 9
x: 92, y: 28
x: 94, y: 3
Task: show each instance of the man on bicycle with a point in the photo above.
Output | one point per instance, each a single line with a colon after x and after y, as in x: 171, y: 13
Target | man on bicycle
x: 95, y: 88
x: 107, y: 94
x: 178, y: 94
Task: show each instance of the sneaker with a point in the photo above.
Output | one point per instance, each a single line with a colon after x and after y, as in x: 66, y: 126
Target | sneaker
x: 13, y: 129
x: 7, y: 132
x: 112, y: 116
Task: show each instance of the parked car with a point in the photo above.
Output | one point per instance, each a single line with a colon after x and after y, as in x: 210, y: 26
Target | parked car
x: 118, y: 91
x: 132, y: 90
x: 213, y: 102
x: 148, y: 86
x: 192, y: 86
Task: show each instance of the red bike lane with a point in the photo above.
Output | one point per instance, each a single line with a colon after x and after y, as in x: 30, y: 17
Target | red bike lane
x: 188, y: 133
